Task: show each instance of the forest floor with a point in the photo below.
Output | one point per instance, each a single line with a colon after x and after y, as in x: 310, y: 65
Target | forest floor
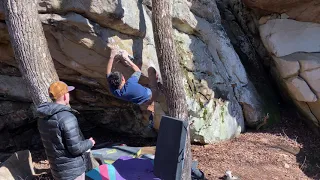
x: 288, y: 151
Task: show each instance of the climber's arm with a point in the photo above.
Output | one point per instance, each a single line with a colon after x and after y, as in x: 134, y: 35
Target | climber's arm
x: 113, y: 53
x: 129, y: 62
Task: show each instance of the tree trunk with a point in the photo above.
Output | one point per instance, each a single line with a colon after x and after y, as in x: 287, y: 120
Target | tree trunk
x: 170, y: 70
x: 30, y: 47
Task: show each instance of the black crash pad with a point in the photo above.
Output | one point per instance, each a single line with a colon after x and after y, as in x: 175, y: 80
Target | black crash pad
x: 170, y: 149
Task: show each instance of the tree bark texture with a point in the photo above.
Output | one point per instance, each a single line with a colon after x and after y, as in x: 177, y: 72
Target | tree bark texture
x: 30, y: 47
x: 171, y: 71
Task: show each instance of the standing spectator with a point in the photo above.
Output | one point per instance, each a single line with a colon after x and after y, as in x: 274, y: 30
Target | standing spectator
x: 62, y: 139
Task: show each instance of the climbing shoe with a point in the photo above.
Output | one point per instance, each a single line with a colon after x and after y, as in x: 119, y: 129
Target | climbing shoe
x: 149, y: 131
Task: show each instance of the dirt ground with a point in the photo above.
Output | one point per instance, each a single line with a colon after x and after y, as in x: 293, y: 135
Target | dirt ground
x: 288, y: 151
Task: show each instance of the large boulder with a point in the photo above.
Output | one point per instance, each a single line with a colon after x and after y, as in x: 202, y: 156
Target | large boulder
x: 303, y: 10
x: 80, y: 44
x: 300, y: 90
x: 18, y: 166
x: 287, y: 66
x: 240, y: 26
x: 215, y: 113
x: 220, y: 95
x: 277, y: 36
x: 14, y: 88
x: 118, y: 15
x: 295, y: 48
x: 209, y: 29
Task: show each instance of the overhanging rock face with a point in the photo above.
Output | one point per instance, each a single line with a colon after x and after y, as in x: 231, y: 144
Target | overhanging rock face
x: 220, y: 95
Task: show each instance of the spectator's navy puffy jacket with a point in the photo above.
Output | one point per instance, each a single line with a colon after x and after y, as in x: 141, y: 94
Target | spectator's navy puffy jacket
x: 63, y: 141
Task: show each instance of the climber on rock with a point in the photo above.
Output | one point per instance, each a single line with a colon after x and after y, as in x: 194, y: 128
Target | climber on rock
x: 130, y: 90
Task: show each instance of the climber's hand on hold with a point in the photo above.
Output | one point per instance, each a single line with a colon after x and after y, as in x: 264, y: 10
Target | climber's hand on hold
x: 114, y: 52
x: 124, y: 54
x: 125, y: 59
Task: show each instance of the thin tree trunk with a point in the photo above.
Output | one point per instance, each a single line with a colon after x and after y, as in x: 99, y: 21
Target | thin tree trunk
x: 170, y: 70
x: 30, y: 47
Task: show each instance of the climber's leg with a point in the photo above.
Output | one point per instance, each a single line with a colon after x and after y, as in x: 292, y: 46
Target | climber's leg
x: 148, y: 107
x: 153, y: 83
x: 151, y: 122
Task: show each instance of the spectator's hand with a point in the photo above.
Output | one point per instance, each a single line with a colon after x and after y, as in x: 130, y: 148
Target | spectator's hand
x: 93, y: 141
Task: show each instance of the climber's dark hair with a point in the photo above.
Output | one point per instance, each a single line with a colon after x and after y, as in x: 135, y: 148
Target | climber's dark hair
x: 115, y: 79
